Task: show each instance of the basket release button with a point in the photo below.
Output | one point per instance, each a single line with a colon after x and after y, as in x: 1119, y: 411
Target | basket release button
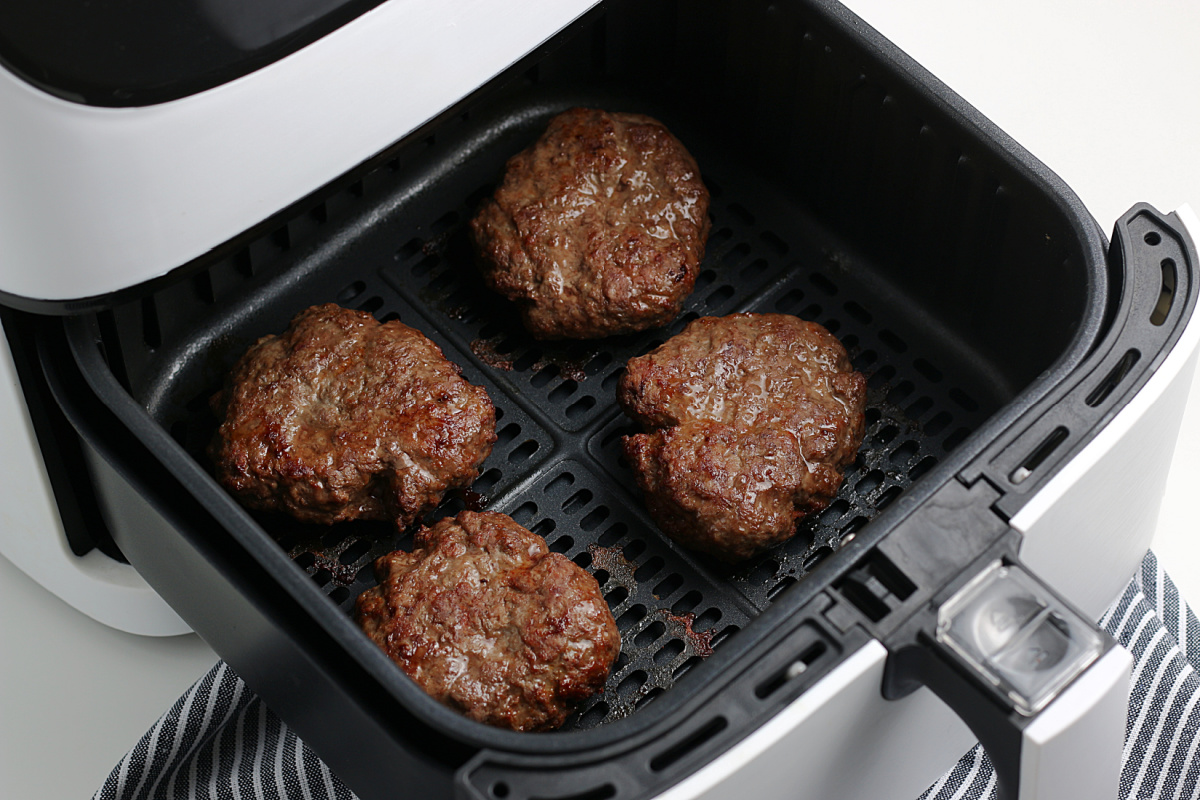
x: 1007, y: 627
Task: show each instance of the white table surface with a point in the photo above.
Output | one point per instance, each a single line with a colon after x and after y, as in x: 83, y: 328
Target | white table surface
x: 1104, y: 92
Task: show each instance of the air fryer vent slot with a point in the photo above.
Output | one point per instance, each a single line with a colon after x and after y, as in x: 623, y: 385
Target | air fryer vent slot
x: 1113, y: 378
x: 689, y: 745
x: 793, y: 670
x: 1039, y: 454
x: 1166, y: 296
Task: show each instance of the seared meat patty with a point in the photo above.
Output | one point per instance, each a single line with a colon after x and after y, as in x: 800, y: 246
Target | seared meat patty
x: 342, y: 417
x: 490, y: 622
x: 751, y: 419
x: 597, y: 229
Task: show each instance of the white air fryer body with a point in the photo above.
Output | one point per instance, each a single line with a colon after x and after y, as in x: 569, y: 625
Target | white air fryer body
x: 97, y: 199
x: 94, y: 200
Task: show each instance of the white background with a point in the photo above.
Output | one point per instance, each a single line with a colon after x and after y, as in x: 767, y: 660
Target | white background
x: 1104, y: 92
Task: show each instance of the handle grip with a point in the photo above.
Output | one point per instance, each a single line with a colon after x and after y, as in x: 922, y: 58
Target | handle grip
x: 1042, y: 688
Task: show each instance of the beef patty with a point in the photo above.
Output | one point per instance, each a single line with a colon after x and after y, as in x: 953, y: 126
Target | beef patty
x: 750, y: 419
x: 490, y: 622
x: 597, y: 229
x: 342, y: 417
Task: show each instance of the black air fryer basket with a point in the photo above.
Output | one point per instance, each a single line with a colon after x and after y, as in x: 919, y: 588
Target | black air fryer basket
x: 849, y: 187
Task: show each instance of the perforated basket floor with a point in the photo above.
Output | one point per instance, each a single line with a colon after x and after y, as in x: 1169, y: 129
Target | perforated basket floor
x: 394, y: 243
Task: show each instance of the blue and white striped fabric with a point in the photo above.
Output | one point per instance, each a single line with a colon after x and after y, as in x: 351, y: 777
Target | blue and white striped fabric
x: 220, y: 741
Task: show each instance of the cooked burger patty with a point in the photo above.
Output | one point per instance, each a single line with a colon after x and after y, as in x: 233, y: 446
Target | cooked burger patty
x: 490, y: 622
x: 342, y: 417
x: 598, y: 228
x: 750, y: 420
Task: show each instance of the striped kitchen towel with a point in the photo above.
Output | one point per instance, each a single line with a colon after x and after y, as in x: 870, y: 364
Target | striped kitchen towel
x: 220, y: 741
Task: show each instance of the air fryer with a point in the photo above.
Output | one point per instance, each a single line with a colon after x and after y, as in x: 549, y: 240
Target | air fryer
x: 999, y: 329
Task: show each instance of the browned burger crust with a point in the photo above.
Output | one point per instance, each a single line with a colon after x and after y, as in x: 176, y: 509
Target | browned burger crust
x: 342, y: 417
x: 490, y: 622
x: 597, y: 229
x: 751, y: 418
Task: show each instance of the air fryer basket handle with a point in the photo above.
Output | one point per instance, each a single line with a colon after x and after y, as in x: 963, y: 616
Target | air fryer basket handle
x: 1042, y: 688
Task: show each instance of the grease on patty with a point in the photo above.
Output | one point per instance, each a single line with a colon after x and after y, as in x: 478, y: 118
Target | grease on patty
x: 597, y: 229
x: 750, y: 420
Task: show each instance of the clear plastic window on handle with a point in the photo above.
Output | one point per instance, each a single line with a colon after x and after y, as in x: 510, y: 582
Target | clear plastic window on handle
x: 1010, y: 629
